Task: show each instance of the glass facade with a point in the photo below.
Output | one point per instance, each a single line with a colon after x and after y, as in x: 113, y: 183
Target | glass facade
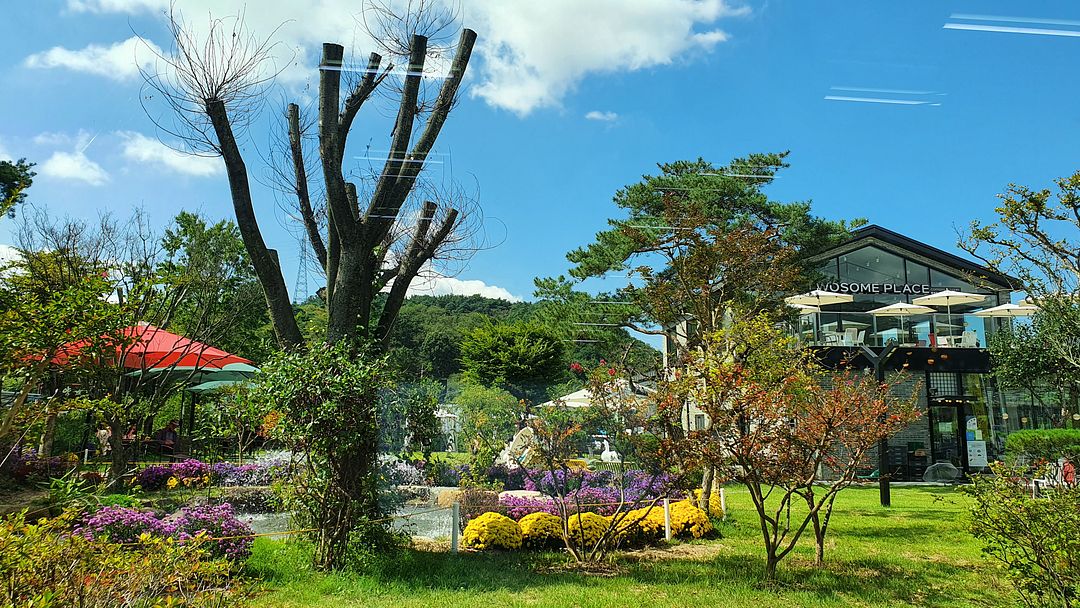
x: 876, y: 278
x: 970, y: 418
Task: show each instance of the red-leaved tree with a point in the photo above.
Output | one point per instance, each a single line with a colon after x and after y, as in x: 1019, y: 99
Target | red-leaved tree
x: 793, y: 434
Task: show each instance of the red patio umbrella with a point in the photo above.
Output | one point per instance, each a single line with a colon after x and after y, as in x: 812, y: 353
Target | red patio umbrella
x: 145, y: 346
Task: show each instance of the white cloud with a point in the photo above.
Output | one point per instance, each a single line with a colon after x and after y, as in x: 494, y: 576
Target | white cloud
x: 4, y: 154
x: 115, y: 6
x: 140, y: 148
x: 602, y: 116
x: 74, y: 165
x: 53, y: 139
x: 119, y: 61
x: 8, y: 254
x: 529, y: 55
x: 535, y: 53
x: 440, y: 286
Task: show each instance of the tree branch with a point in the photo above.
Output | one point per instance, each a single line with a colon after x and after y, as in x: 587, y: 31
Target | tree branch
x: 301, y: 185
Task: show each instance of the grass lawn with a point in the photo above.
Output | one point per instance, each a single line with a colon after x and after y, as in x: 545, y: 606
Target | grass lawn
x: 917, y: 553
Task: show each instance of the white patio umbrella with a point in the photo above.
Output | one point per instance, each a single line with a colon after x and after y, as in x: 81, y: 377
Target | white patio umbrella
x: 947, y: 298
x: 1009, y: 310
x: 819, y: 297
x: 902, y: 310
x: 805, y: 309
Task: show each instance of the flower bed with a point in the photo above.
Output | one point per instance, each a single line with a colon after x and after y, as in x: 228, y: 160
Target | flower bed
x: 231, y: 537
x: 24, y: 464
x: 492, y: 531
x: 195, y: 473
x: 638, y: 527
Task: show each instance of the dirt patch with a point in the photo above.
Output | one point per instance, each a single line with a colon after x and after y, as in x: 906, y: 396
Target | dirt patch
x: 13, y: 501
x: 432, y: 546
x: 603, y: 569
x: 695, y: 551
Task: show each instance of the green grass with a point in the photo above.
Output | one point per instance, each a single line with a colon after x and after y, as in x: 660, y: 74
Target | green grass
x: 917, y: 553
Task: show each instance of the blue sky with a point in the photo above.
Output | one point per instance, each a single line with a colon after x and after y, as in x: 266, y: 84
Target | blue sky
x: 567, y: 101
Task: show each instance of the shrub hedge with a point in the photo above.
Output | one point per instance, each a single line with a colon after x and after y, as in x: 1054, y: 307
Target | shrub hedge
x: 1044, y: 444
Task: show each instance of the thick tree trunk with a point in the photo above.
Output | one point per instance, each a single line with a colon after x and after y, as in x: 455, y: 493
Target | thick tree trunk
x: 265, y: 261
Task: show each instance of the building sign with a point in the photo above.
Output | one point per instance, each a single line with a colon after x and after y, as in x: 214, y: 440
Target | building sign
x: 877, y: 288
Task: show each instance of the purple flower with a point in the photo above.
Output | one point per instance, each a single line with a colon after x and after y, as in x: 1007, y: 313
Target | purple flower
x: 124, y: 525
x: 217, y: 521
x: 153, y: 477
x: 121, y: 525
x: 190, y: 469
x: 517, y: 507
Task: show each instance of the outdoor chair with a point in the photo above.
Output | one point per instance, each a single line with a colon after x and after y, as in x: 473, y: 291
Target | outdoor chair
x: 969, y: 340
x: 850, y: 336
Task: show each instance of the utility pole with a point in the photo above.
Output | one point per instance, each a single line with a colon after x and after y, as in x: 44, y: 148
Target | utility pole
x: 878, y: 360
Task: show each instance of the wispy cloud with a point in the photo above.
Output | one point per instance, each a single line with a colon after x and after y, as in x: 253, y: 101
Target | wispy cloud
x: 887, y: 91
x: 74, y: 165
x: 607, y: 116
x: 1012, y: 29
x: 119, y: 61
x: 533, y: 54
x: 970, y: 17
x: 140, y: 148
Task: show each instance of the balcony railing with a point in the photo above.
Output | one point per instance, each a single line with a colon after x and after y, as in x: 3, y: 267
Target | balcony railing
x: 855, y: 329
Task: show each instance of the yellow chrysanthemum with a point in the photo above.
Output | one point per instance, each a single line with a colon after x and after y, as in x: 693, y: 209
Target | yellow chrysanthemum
x: 541, y: 530
x: 492, y: 531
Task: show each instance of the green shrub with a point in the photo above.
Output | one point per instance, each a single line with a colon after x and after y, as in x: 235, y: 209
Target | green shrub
x: 1037, y: 540
x: 1044, y: 445
x: 45, y: 564
x: 118, y: 500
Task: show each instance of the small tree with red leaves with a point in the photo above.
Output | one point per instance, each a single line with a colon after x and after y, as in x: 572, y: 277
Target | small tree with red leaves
x: 777, y: 423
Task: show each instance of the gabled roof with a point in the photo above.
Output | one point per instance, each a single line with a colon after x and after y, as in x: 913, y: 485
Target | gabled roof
x: 944, y: 258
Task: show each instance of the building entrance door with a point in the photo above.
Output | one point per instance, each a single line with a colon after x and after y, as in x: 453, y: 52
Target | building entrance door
x: 947, y: 435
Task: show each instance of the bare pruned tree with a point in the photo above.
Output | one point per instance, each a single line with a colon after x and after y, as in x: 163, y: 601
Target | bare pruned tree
x: 371, y: 232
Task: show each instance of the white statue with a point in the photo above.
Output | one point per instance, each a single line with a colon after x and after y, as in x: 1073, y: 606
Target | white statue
x: 517, y: 452
x: 609, y: 455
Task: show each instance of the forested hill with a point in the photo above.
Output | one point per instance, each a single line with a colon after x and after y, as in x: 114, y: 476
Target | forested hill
x: 429, y: 331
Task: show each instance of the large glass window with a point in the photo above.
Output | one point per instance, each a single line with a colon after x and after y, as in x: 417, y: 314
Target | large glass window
x: 874, y: 277
x: 917, y: 274
x: 939, y: 280
x: 871, y: 265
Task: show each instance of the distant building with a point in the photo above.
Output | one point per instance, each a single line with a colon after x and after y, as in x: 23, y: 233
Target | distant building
x: 966, y: 415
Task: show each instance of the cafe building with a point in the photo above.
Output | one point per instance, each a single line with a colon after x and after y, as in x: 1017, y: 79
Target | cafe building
x: 936, y: 311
